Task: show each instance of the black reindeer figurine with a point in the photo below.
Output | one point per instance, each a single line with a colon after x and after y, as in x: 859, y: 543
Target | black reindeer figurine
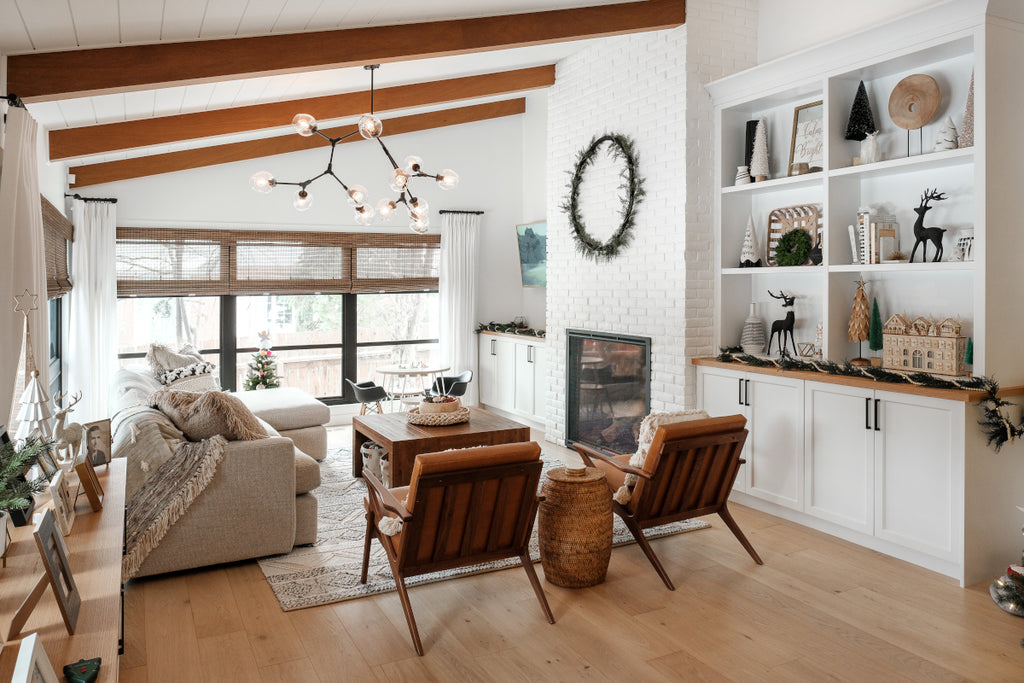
x: 783, y: 327
x: 923, y: 234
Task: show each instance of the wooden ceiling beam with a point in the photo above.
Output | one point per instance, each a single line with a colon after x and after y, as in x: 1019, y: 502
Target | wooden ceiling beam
x: 125, y: 169
x: 45, y: 76
x: 68, y: 143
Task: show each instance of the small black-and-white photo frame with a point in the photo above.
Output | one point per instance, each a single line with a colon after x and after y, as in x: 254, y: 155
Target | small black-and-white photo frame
x: 63, y: 502
x: 96, y: 443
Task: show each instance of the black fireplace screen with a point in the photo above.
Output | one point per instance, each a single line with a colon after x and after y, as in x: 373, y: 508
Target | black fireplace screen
x: 608, y: 389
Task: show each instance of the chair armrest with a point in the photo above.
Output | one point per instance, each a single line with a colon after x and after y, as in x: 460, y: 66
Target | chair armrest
x: 383, y: 498
x: 586, y: 452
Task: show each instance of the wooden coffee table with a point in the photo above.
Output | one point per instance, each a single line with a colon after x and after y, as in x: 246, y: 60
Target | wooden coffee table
x: 405, y: 441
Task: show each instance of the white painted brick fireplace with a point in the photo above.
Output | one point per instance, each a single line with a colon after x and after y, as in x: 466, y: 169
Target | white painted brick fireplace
x: 648, y: 87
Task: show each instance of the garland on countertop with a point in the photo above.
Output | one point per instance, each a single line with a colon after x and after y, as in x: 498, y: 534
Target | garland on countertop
x: 998, y: 429
x: 509, y: 328
x: 586, y: 244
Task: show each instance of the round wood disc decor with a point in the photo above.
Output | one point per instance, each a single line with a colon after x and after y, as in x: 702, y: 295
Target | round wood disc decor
x: 914, y: 101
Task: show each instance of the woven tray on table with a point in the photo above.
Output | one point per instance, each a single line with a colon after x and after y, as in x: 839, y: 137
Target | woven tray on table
x: 806, y: 217
x: 438, y: 419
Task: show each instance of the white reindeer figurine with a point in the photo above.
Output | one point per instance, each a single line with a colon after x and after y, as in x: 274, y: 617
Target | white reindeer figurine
x: 69, y: 437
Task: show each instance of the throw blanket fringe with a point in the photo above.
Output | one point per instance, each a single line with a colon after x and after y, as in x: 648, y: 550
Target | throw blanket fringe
x: 165, y: 497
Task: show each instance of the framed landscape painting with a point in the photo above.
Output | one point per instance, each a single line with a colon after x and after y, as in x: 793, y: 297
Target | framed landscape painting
x: 533, y: 253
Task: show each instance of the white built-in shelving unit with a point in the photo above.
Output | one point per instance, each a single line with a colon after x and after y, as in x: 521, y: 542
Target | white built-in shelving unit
x: 898, y: 469
x: 948, y: 42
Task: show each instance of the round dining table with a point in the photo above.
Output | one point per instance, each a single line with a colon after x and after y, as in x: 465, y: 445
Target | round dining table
x: 404, y: 382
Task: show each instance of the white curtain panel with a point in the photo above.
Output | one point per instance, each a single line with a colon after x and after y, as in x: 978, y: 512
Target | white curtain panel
x: 92, y: 352
x: 22, y: 245
x: 460, y: 240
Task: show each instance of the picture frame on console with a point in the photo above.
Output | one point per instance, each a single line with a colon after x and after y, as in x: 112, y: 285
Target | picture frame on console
x: 33, y: 666
x: 97, y: 442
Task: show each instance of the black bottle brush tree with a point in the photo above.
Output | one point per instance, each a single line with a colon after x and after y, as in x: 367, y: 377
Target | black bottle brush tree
x: 860, y: 323
x: 861, y: 122
x: 16, y: 489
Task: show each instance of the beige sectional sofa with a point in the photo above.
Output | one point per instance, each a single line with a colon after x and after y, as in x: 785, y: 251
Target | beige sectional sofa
x: 260, y: 501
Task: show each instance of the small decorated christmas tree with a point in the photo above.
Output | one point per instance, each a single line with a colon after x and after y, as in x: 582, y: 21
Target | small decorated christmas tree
x: 946, y: 137
x: 750, y: 255
x: 969, y: 352
x: 861, y: 121
x: 759, y: 167
x: 966, y: 138
x: 875, y: 333
x: 860, y: 321
x: 263, y: 367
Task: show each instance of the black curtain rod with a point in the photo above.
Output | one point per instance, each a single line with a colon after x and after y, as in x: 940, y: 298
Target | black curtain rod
x: 14, y: 101
x: 112, y: 200
x: 444, y: 211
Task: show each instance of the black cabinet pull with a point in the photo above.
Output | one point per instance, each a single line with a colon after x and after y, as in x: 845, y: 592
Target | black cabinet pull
x: 746, y: 392
x: 867, y: 413
x: 877, y: 401
x: 492, y: 348
x: 739, y: 386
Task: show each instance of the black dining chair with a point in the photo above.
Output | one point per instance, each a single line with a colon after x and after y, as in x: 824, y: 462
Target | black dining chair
x: 455, y: 385
x: 369, y: 394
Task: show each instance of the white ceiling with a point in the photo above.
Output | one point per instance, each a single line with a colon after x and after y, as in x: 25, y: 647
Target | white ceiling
x: 49, y: 25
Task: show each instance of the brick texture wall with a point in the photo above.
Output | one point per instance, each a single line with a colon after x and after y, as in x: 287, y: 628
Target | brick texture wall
x: 648, y: 87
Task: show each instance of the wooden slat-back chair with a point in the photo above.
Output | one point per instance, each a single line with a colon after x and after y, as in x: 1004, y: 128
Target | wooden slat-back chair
x: 461, y: 508
x: 689, y: 472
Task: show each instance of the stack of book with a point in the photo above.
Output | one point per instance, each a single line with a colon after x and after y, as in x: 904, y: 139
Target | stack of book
x: 875, y: 238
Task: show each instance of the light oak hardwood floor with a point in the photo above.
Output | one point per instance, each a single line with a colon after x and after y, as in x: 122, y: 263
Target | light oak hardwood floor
x: 819, y: 609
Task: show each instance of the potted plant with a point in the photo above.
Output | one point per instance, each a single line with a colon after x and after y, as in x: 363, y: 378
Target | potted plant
x: 16, y: 489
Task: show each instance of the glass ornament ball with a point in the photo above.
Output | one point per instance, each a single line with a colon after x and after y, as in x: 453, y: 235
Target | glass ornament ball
x: 303, y: 200
x: 262, y: 182
x: 370, y: 126
x: 447, y: 179
x: 305, y: 125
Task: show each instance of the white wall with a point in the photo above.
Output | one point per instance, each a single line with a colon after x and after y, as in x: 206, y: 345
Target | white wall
x: 786, y: 26
x: 488, y: 156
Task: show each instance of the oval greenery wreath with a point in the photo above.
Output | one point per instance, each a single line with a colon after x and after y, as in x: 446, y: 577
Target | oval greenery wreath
x: 587, y: 244
x: 793, y: 248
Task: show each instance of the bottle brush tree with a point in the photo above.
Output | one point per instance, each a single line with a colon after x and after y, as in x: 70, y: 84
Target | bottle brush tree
x: 875, y: 331
x: 759, y: 167
x: 861, y: 121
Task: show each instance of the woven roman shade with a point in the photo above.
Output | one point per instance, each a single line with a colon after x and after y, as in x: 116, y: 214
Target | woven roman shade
x: 180, y: 262
x: 57, y: 232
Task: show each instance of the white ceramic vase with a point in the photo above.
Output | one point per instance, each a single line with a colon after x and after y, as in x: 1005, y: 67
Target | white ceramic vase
x: 742, y: 175
x: 754, y: 337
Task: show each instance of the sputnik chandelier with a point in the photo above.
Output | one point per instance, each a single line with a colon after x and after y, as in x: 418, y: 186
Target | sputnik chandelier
x: 370, y: 127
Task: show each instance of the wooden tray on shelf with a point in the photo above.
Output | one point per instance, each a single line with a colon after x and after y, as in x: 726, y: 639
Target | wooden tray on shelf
x: 806, y: 217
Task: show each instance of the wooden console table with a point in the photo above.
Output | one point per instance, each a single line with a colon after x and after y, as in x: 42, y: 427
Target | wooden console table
x: 96, y: 544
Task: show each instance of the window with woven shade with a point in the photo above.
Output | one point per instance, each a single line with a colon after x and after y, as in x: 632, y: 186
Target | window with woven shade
x: 170, y: 263
x: 57, y: 233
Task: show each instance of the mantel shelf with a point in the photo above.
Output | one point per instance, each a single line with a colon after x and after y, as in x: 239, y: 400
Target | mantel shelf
x: 919, y: 162
x: 790, y: 183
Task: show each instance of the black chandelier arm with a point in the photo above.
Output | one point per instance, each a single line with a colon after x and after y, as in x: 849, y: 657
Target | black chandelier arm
x: 341, y: 138
x: 384, y: 147
x: 340, y: 181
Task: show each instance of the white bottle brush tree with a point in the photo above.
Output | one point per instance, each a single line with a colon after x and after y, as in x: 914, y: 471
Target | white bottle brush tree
x: 759, y: 160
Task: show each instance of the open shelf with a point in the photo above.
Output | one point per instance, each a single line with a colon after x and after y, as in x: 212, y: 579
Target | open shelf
x: 900, y: 267
x: 919, y: 162
x: 771, y: 270
x: 790, y: 183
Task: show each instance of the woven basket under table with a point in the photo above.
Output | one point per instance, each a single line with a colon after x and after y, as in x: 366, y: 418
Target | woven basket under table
x: 575, y: 527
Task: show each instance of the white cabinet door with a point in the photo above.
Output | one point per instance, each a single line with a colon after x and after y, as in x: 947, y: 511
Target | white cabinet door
x: 487, y: 370
x: 775, y: 456
x: 839, y: 469
x: 721, y: 393
x: 919, y: 478
x: 505, y: 385
x: 525, y: 378
x: 540, y: 382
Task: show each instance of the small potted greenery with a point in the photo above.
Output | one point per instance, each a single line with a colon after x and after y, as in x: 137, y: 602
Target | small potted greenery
x: 16, y: 489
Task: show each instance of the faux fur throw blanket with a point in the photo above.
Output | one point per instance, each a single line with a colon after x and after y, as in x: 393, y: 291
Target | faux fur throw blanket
x: 165, y: 476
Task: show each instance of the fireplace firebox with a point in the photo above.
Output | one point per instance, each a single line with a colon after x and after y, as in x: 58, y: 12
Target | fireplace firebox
x: 608, y: 381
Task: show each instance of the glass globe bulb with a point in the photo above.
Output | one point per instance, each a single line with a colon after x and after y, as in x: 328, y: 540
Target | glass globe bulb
x: 262, y: 182
x: 356, y: 195
x: 399, y: 180
x: 419, y: 208
x: 419, y: 226
x: 385, y: 207
x: 364, y: 214
x: 447, y: 179
x: 303, y: 200
x: 305, y: 125
x: 412, y: 164
x: 370, y: 126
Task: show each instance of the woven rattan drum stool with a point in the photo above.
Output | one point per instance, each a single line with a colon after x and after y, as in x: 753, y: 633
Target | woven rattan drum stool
x: 575, y: 527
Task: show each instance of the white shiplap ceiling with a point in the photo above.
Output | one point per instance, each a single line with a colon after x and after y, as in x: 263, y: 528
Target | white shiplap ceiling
x: 50, y: 25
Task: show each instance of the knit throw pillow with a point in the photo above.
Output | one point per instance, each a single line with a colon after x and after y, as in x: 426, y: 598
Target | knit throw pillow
x: 195, y: 377
x: 648, y: 427
x: 203, y: 415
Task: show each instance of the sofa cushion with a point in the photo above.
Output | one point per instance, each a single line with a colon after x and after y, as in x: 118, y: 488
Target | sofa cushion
x: 132, y: 386
x: 161, y: 358
x: 307, y: 473
x: 286, y: 408
x: 196, y: 376
x: 203, y: 415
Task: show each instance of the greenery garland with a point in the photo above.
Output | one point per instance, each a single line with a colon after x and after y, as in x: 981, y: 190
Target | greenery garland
x: 793, y: 248
x: 509, y: 328
x: 621, y: 148
x: 998, y: 429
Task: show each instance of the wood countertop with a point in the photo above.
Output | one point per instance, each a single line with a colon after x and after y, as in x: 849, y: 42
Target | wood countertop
x: 527, y: 337
x: 965, y: 395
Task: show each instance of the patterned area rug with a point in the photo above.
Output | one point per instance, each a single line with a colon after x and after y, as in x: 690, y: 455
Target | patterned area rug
x: 328, y: 571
